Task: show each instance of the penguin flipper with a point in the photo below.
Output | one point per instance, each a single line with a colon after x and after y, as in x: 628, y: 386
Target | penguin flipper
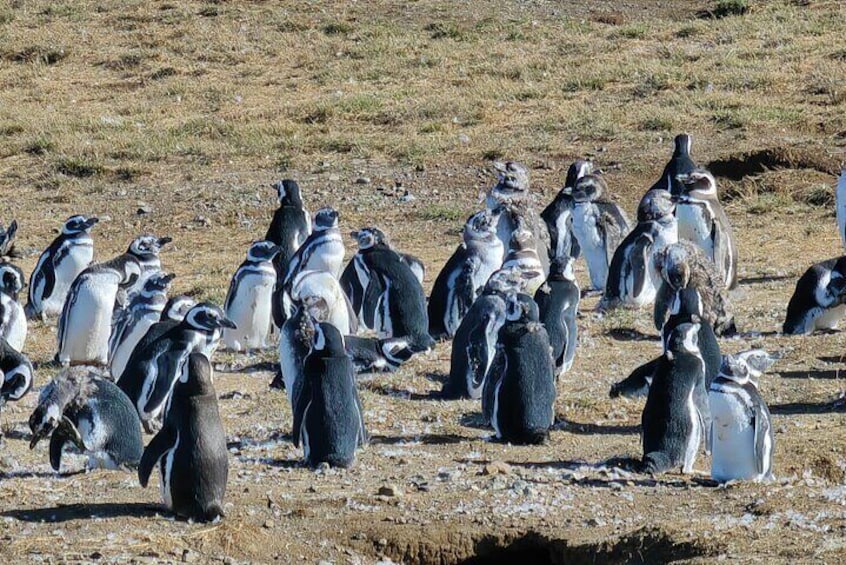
x: 48, y: 271
x: 230, y: 294
x: 369, y: 303
x: 492, y: 378
x: 64, y: 433
x: 362, y: 437
x: 763, y: 431
x: 157, y: 447
x: 169, y: 366
x: 640, y: 263
x: 663, y: 300
x: 302, y: 402
x: 638, y: 382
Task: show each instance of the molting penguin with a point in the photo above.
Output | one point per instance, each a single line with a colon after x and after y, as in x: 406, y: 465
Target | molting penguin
x: 558, y: 306
x: 190, y: 449
x: 819, y: 300
x: 599, y: 225
x: 474, y: 345
x: 464, y: 275
x: 742, y: 433
x: 16, y: 374
x: 523, y: 256
x: 86, y: 321
x: 328, y: 419
x: 58, y: 266
x: 313, y: 285
x: 840, y: 205
x: 633, y: 278
x: 289, y: 228
x: 703, y: 221
x: 13, y: 326
x: 144, y: 310
x: 7, y: 241
x: 679, y: 164
x: 248, y: 301
x: 85, y: 410
x: 146, y: 249
x: 672, y: 420
x: 519, y: 391
x: 558, y: 216
x: 154, y: 366
x: 295, y: 341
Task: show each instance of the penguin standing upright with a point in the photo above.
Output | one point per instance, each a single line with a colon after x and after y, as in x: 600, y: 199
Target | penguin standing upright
x: 16, y: 374
x: 703, y: 221
x: 680, y: 163
x: 599, y: 224
x: 523, y: 256
x: 7, y: 240
x: 559, y: 215
x: 289, y: 228
x: 558, y: 306
x: 155, y: 364
x: 86, y: 321
x: 146, y: 249
x: 248, y: 301
x: 295, y: 341
x: 672, y: 419
x: 464, y: 275
x: 519, y: 391
x: 328, y: 419
x: 819, y: 300
x: 13, y: 326
x: 190, y: 449
x: 58, y: 266
x: 81, y: 408
x: 143, y: 311
x: 314, y: 285
x: 633, y: 277
x: 742, y: 433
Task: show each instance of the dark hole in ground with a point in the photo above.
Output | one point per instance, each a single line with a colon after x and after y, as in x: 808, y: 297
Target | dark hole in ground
x: 736, y: 167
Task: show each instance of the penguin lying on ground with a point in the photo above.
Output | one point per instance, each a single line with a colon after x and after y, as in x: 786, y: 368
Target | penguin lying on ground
x: 7, y: 241
x: 13, y: 325
x: 370, y: 354
x: 558, y: 215
x: 190, y: 449
x: 81, y: 408
x: 819, y: 300
x: 558, y: 306
x: 248, y: 301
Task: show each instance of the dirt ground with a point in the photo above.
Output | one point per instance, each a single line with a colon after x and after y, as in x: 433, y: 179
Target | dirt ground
x: 452, y: 495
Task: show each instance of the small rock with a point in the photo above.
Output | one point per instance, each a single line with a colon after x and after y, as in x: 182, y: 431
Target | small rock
x: 268, y: 524
x: 390, y: 490
x: 143, y: 210
x: 189, y: 556
x: 382, y: 542
x: 362, y: 180
x: 596, y: 522
x: 407, y: 197
x: 497, y: 468
x: 464, y: 138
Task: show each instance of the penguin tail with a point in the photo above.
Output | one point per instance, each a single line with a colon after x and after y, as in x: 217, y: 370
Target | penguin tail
x: 534, y: 436
x: 29, y: 312
x: 213, y: 512
x: 278, y: 381
x: 655, y: 462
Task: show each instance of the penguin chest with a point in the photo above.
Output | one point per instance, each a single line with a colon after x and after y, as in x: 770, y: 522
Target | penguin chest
x: 14, y: 326
x: 586, y: 229
x: 133, y: 334
x: 88, y: 321
x: 663, y: 238
x: 327, y: 256
x: 71, y: 260
x: 695, y: 225
x: 250, y: 309
x: 562, y: 226
x: 733, y: 439
x: 95, y: 435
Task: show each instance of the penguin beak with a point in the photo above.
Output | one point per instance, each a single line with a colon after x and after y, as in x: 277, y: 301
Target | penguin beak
x: 91, y: 222
x: 38, y: 435
x: 227, y: 323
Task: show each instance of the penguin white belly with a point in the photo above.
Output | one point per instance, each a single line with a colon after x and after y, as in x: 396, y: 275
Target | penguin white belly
x: 593, y: 248
x: 329, y: 259
x: 695, y: 226
x: 66, y: 271
x: 130, y: 339
x: 491, y: 262
x: 166, y: 469
x: 840, y: 197
x: 290, y: 368
x: 561, y: 226
x: 15, y: 326
x: 733, y: 439
x: 452, y: 317
x: 339, y: 314
x: 663, y: 238
x: 695, y: 438
x: 250, y: 310
x: 829, y: 318
x: 94, y: 436
x: 89, y: 323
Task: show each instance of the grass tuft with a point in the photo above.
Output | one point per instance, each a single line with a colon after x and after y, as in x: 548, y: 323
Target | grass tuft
x: 77, y: 167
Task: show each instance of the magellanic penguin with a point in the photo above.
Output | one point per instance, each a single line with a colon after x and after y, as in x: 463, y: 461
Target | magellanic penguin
x: 519, y: 393
x: 599, y: 224
x: 680, y: 163
x: 7, y: 241
x: 370, y: 354
x: 173, y: 313
x: 86, y: 321
x: 248, y: 301
x: 474, y: 344
x: 840, y: 200
x: 465, y: 274
x: 742, y: 433
x: 153, y: 369
x: 83, y: 409
x: 16, y: 374
x: 559, y: 215
x: 289, y: 228
x: 313, y: 285
x: 143, y: 311
x: 683, y: 265
x: 819, y: 300
x: 295, y: 341
x: 58, y: 266
x: 328, y: 419
x: 190, y: 449
x: 633, y: 277
x: 523, y: 256
x: 13, y: 325
x: 703, y: 221
x: 558, y: 306
x: 146, y: 249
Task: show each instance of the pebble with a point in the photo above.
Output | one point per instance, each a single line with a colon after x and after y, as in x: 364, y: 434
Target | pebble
x: 497, y: 468
x: 189, y: 556
x: 268, y: 524
x: 362, y: 180
x: 390, y: 490
x: 143, y: 210
x: 407, y: 197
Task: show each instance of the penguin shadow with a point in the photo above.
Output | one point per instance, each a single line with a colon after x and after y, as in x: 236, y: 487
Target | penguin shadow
x: 66, y: 513
x: 390, y: 390
x: 594, y: 429
x: 604, y: 476
x: 425, y: 439
x: 763, y: 279
x: 799, y: 408
x: 630, y: 334
x: 832, y: 359
x: 17, y: 434
x: 813, y: 374
x: 258, y: 367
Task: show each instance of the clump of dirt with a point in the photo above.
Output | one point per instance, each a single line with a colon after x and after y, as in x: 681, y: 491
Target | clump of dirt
x: 827, y: 469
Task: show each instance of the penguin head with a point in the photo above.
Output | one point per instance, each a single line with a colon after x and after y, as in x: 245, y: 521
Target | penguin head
x: 684, y: 338
x: 12, y: 279
x: 177, y: 307
x: 207, y: 318
x: 288, y: 192
x: 733, y: 369
x: 505, y: 281
x: 757, y: 361
x: 682, y: 144
x: 656, y: 205
x: 157, y: 283
x: 521, y: 239
x: 196, y: 378
x: 674, y: 267
x: 577, y: 170
x: 687, y: 300
x: 521, y: 307
x: 325, y: 219
x: 561, y: 268
x: 369, y: 237
x: 698, y: 185
x: 72, y: 386
x: 480, y: 226
x: 79, y: 224
x: 513, y: 178
x: 589, y: 188
x: 262, y: 251
x: 146, y: 245
x: 328, y: 339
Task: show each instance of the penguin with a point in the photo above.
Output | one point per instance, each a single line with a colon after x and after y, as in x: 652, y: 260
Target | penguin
x: 703, y: 221
x: 337, y: 308
x: 840, y: 205
x: 153, y: 368
x: 16, y: 374
x: 295, y: 341
x: 598, y: 224
x: 742, y: 430
x: 474, y: 344
x: 682, y: 264
x: 328, y: 418
x: 13, y: 325
x: 248, y: 301
x: 81, y: 408
x: 370, y: 354
x: 756, y: 361
x: 146, y: 249
x: 145, y: 310
x: 190, y: 449
x: 819, y: 299
x: 58, y: 266
x: 633, y: 277
x: 323, y: 250
x: 464, y: 275
x: 7, y: 241
x: 523, y: 256
x: 680, y: 163
x: 173, y: 313
x: 672, y: 419
x: 558, y: 215
x: 289, y: 228
x: 558, y: 306
x: 86, y: 321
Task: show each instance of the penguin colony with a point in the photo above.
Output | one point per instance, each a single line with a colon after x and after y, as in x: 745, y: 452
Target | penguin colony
x: 507, y: 298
